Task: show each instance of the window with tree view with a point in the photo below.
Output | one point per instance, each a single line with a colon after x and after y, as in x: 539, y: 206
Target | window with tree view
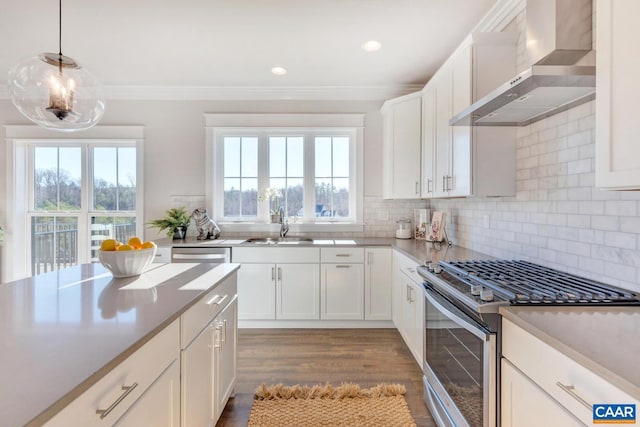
x: 310, y: 172
x: 74, y: 211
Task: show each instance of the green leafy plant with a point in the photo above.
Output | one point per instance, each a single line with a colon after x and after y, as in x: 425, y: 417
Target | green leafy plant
x: 176, y: 217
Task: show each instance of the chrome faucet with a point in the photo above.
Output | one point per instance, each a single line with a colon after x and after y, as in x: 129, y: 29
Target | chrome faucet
x: 284, y: 224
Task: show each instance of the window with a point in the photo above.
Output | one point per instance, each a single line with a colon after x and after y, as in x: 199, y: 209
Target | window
x: 69, y: 194
x: 312, y: 161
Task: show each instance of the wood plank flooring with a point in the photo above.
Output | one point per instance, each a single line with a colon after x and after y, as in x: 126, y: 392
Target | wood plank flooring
x: 311, y: 356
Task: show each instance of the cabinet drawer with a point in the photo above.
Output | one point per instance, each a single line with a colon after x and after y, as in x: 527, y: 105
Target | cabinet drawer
x: 141, y: 368
x: 276, y: 255
x: 408, y: 267
x: 342, y: 255
x: 201, y: 313
x: 163, y: 254
x: 551, y: 370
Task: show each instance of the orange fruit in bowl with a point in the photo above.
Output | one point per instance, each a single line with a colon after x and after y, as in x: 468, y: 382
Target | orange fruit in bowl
x: 125, y: 247
x: 108, y: 245
x: 148, y: 245
x: 135, y: 243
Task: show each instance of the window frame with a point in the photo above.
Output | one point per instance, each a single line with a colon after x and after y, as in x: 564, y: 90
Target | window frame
x: 307, y: 125
x: 22, y: 141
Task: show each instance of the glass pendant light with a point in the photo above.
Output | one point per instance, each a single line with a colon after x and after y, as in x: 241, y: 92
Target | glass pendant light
x: 55, y: 92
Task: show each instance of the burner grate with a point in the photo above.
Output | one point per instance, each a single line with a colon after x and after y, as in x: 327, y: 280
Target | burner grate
x: 528, y: 283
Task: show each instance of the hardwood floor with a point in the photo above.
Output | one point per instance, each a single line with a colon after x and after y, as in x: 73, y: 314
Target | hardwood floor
x: 311, y: 356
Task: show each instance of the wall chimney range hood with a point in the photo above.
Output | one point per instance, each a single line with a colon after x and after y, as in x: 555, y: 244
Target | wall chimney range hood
x: 563, y: 74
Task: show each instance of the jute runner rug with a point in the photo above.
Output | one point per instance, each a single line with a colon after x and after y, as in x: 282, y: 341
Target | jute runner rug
x: 324, y: 405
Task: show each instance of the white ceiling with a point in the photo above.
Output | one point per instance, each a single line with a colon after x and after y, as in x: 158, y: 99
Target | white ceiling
x: 199, y: 44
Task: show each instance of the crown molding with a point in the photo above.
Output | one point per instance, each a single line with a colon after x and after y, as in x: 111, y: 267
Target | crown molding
x: 500, y: 15
x: 251, y: 93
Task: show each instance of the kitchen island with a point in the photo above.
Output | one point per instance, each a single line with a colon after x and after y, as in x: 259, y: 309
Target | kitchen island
x: 63, y: 331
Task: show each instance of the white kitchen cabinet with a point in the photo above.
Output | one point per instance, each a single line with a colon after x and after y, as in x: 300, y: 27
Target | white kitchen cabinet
x: 402, y: 123
x: 408, y: 305
x: 524, y: 404
x: 563, y: 381
x: 618, y: 90
x: 342, y: 284
x: 257, y: 291
x: 278, y: 283
x: 145, y: 386
x: 477, y: 161
x: 377, y: 284
x: 159, y: 404
x: 297, y: 291
x: 225, y: 356
x: 208, y: 361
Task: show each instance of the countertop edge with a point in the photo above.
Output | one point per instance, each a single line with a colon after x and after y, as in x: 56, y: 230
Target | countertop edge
x: 632, y: 390
x: 90, y: 381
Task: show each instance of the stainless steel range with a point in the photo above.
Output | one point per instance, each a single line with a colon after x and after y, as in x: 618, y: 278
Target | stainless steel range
x: 462, y: 328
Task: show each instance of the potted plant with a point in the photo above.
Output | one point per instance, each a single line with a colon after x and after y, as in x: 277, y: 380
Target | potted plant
x: 272, y: 195
x: 175, y: 222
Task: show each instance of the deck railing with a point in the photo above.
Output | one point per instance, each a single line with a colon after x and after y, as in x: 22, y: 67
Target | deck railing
x: 55, y: 245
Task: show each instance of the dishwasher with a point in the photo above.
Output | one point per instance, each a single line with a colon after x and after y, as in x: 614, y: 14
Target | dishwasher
x: 211, y: 255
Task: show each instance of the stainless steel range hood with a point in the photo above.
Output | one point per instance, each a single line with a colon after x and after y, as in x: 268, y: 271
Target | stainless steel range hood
x: 562, y: 76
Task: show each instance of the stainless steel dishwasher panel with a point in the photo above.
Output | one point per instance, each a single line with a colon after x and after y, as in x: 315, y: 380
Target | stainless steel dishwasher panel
x: 211, y: 255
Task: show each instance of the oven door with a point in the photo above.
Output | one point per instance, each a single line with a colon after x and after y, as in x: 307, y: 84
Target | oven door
x: 460, y: 365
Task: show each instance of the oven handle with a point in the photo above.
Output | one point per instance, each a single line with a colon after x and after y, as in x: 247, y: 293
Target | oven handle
x: 455, y: 314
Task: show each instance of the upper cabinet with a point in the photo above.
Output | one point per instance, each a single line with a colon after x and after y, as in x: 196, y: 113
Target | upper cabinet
x: 402, y: 128
x: 618, y: 89
x: 462, y: 161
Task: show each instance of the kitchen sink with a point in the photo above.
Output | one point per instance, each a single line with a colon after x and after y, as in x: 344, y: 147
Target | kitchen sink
x: 280, y: 241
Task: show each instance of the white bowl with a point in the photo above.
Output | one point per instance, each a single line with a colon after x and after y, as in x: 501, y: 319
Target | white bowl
x: 127, y: 263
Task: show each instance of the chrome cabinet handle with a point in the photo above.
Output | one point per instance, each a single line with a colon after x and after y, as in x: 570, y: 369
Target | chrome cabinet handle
x: 213, y: 300
x: 449, y: 182
x: 222, y: 299
x: 343, y: 266
x: 417, y: 187
x: 279, y: 273
x: 411, y: 294
x: 224, y: 331
x: 570, y: 390
x: 218, y: 338
x: 429, y: 183
x: 127, y: 390
x: 343, y: 255
x: 273, y: 273
x: 407, y: 293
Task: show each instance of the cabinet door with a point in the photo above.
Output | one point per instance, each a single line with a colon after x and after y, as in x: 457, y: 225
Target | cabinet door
x: 402, y: 143
x: 225, y: 352
x: 524, y: 404
x: 298, y: 291
x: 618, y: 89
x: 377, y: 284
x: 461, y: 77
x: 257, y: 291
x: 397, y: 295
x: 416, y: 329
x: 159, y: 405
x: 198, y: 381
x: 428, y: 140
x: 443, y: 135
x: 342, y: 292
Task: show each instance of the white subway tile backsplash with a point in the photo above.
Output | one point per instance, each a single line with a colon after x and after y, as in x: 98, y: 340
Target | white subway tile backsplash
x: 620, y: 240
x: 623, y: 208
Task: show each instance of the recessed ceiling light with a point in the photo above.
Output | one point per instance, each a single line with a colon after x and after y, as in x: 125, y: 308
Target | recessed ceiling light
x: 371, y: 46
x: 279, y: 71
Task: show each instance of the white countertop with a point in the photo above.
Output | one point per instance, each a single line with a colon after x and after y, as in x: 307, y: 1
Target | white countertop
x: 605, y: 340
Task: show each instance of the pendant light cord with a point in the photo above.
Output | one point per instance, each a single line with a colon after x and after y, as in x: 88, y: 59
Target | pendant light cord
x: 60, y: 29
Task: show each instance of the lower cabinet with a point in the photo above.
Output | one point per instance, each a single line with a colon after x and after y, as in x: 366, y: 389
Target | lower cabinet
x: 209, y: 360
x: 559, y: 385
x: 329, y: 283
x: 525, y: 404
x: 342, y: 292
x: 408, y: 305
x: 142, y: 390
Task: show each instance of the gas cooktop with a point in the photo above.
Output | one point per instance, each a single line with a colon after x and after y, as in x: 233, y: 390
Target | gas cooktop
x: 526, y: 283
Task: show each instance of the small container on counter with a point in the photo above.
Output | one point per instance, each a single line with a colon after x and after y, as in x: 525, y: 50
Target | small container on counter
x: 404, y: 229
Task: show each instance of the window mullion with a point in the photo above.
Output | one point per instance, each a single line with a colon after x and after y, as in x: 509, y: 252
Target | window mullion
x: 83, y: 216
x: 263, y: 173
x: 309, y: 177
